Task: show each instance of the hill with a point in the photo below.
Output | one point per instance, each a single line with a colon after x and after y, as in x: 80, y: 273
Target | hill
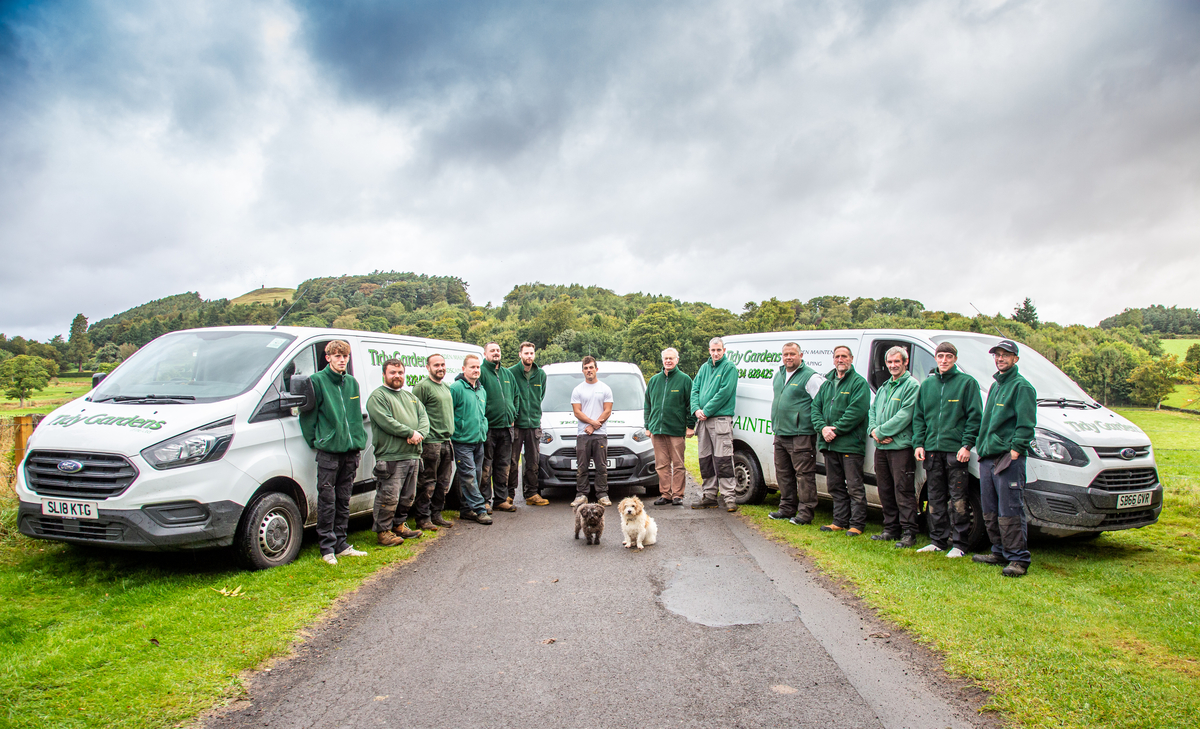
x: 265, y: 296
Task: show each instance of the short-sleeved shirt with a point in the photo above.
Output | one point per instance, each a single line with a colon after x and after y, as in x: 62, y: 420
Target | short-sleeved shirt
x: 591, y: 399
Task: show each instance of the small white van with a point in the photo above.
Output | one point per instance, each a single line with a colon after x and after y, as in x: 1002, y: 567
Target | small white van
x: 1089, y: 469
x: 630, y: 452
x: 195, y: 442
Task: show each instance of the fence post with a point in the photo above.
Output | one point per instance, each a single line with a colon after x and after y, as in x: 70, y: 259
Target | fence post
x: 24, y: 427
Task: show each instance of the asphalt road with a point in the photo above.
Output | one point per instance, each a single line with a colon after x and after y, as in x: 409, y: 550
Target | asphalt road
x: 520, y: 625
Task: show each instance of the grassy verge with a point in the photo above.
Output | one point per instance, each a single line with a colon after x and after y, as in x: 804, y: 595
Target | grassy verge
x: 97, y: 638
x: 1103, y: 633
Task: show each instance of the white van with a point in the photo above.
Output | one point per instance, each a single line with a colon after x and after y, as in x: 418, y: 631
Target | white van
x: 630, y: 452
x: 195, y: 442
x: 1089, y: 469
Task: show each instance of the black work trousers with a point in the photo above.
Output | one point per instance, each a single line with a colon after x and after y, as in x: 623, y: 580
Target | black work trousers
x: 844, y: 479
x: 894, y: 472
x: 796, y: 474
x: 524, y: 439
x: 946, y: 482
x: 497, y: 453
x: 591, y: 448
x: 335, y: 481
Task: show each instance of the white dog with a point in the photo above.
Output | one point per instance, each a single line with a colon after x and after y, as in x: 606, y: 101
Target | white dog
x: 637, y: 526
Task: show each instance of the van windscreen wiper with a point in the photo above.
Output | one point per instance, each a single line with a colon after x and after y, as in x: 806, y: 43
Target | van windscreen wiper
x: 149, y: 398
x: 1066, y: 402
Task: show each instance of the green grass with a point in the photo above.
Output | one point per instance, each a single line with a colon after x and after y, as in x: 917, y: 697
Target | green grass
x: 265, y: 296
x: 98, y: 638
x: 1099, y: 634
x: 1184, y: 396
x: 58, y: 393
x: 1177, y: 347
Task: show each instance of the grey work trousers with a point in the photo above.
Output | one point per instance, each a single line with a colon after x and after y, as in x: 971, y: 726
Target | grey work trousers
x: 437, y: 467
x: 715, y: 444
x: 395, y: 491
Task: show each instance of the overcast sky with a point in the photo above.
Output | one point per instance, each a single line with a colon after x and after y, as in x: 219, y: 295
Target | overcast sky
x: 950, y: 152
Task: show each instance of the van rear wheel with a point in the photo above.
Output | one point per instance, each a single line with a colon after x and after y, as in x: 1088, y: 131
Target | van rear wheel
x: 270, y: 533
x: 749, y: 487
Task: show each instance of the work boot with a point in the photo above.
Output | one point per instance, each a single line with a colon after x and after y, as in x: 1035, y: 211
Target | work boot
x: 832, y: 528
x: 884, y: 537
x: 505, y: 506
x: 801, y: 520
x: 390, y: 539
x: 704, y: 503
x: 439, y: 520
x: 732, y: 507
x: 579, y: 501
x: 483, y: 518
x: 426, y: 525
x: 662, y: 501
x: 778, y: 515
x: 489, y: 508
x: 677, y: 501
x: 1014, y: 569
x: 854, y: 532
x: 604, y: 500
x: 907, y: 541
x: 402, y: 530
x: 988, y: 558
x: 536, y: 500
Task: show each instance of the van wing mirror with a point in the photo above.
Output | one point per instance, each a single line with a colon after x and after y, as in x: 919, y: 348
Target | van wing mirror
x: 97, y: 378
x: 302, y: 394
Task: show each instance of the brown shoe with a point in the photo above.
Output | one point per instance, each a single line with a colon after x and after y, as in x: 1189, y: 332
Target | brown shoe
x: 440, y: 521
x: 505, y: 506
x: 389, y: 539
x: 489, y: 508
x: 426, y: 526
x: 536, y: 500
x: 404, y: 531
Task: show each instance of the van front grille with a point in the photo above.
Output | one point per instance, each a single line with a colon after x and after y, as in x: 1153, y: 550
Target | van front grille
x: 102, y: 475
x: 1126, y: 479
x: 97, y: 529
x: 1129, y: 518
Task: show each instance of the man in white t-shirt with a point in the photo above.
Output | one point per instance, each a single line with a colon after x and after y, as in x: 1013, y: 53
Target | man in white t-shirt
x: 592, y: 401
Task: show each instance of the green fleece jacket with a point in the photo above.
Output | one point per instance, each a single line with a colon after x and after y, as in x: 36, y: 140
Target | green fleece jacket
x: 439, y: 408
x: 395, y: 415
x: 714, y: 389
x: 891, y: 414
x: 1008, y: 417
x: 791, y: 407
x: 335, y: 425
x: 668, y: 397
x: 501, y: 395
x: 843, y: 404
x: 470, y: 411
x: 947, y: 414
x: 531, y: 388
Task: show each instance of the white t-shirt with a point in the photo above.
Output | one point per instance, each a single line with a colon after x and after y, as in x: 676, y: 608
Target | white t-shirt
x: 591, y: 399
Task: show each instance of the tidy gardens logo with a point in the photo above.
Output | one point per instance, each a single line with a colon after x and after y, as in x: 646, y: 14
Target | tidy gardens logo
x: 67, y: 421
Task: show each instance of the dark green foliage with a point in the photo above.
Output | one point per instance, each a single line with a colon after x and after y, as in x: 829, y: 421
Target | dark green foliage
x: 1026, y: 313
x: 1157, y: 319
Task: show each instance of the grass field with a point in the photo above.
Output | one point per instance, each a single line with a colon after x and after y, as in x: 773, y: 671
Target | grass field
x: 265, y: 296
x: 97, y: 638
x: 59, y: 392
x: 1177, y: 347
x: 1099, y: 634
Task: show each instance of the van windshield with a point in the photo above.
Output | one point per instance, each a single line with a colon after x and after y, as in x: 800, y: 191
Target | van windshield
x: 194, y: 366
x: 629, y: 390
x: 1048, y: 380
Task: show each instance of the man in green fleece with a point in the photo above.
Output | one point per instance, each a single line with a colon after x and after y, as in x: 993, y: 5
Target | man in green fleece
x: 1009, y: 418
x: 945, y: 425
x: 437, y: 454
x: 334, y: 429
x: 839, y: 415
x: 670, y: 421
x: 795, y: 386
x: 470, y: 431
x: 399, y: 424
x: 530, y: 383
x: 714, y: 394
x: 890, y: 426
x: 501, y: 411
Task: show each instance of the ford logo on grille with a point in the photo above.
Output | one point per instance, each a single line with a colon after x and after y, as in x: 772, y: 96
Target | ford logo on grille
x: 70, y: 466
x: 1126, y: 453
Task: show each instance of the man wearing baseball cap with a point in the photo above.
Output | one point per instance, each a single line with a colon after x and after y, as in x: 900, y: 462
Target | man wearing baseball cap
x: 1004, y: 434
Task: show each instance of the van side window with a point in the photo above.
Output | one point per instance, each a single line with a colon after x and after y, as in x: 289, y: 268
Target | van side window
x: 877, y: 368
x: 303, y: 364
x: 322, y: 363
x: 922, y: 364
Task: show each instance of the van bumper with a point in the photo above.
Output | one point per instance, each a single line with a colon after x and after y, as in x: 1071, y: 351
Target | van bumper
x: 633, y: 469
x: 181, y: 525
x: 1051, y: 506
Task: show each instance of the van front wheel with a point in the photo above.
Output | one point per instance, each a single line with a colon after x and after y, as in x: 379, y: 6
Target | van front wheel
x: 270, y: 533
x: 749, y: 487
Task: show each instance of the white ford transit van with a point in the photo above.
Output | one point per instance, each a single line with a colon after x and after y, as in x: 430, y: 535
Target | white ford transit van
x: 630, y: 452
x: 195, y: 442
x: 1089, y: 469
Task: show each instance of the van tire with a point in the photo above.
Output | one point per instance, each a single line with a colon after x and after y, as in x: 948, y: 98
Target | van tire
x: 270, y: 533
x: 749, y: 487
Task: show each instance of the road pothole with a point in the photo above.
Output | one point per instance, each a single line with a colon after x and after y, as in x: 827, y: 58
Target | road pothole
x: 723, y: 591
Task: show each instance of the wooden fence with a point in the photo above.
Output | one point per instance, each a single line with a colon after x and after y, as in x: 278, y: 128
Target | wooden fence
x: 14, y: 436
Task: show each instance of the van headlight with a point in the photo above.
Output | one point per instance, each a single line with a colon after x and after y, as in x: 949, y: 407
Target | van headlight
x: 640, y: 435
x: 204, y: 444
x: 547, y: 437
x: 1052, y: 447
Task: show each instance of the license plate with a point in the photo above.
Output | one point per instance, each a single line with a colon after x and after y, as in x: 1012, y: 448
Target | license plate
x: 1128, y: 501
x: 612, y: 463
x: 70, y: 509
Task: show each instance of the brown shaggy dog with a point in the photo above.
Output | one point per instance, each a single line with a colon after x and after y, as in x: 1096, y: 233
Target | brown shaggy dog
x: 590, y: 519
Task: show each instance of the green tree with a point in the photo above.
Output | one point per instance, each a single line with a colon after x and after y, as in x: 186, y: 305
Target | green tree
x: 1154, y: 379
x: 659, y: 326
x: 79, y: 345
x: 772, y: 315
x: 1191, y: 360
x: 1027, y: 314
x: 24, y: 375
x: 1104, y: 370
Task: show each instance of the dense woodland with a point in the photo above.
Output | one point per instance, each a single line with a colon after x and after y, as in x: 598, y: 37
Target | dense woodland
x: 567, y: 322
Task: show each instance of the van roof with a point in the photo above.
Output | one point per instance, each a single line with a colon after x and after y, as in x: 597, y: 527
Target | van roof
x: 851, y: 334
x: 602, y: 365
x: 303, y: 332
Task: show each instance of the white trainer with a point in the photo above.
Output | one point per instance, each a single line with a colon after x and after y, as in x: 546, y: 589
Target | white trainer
x: 350, y: 551
x: 329, y: 558
x: 956, y: 552
x: 578, y: 500
x: 929, y: 548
